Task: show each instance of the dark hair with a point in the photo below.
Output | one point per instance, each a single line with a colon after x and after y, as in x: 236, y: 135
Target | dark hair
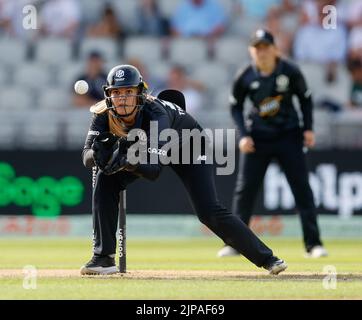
x: 108, y: 9
x: 179, y: 68
x: 354, y: 63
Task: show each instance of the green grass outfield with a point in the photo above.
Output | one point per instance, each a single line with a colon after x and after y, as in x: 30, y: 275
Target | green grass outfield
x: 177, y: 269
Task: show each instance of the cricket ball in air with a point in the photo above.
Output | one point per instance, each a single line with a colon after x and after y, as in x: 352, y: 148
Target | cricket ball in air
x: 81, y: 87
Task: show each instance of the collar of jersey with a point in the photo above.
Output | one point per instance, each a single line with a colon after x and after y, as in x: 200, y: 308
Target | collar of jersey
x: 275, y: 71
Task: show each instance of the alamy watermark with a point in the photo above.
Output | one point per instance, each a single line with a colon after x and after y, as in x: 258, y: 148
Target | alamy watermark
x: 330, y: 19
x: 330, y: 280
x: 187, y: 146
x: 30, y: 20
x: 30, y: 277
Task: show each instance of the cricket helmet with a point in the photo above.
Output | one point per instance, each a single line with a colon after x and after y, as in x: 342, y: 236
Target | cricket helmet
x: 125, y: 76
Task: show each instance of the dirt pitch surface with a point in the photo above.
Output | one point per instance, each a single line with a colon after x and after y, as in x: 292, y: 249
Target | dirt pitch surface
x: 184, y: 275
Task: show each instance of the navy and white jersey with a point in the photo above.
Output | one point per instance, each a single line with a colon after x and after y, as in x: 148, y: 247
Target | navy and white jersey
x: 167, y: 115
x: 272, y: 112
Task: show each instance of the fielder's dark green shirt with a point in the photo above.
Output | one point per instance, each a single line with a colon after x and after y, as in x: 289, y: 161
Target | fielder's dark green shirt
x: 356, y: 94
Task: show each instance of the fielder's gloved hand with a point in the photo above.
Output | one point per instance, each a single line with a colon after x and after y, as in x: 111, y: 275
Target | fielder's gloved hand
x: 103, y: 147
x: 118, y: 160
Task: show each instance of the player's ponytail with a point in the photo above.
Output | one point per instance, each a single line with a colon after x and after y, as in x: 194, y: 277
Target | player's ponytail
x: 116, y: 126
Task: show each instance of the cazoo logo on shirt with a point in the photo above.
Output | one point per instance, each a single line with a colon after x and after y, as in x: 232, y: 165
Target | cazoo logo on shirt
x: 170, y: 146
x: 160, y: 152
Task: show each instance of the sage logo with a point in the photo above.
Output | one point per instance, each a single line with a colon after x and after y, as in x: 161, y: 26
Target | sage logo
x: 44, y: 195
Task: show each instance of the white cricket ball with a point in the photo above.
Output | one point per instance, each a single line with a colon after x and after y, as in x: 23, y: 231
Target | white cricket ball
x: 81, y: 87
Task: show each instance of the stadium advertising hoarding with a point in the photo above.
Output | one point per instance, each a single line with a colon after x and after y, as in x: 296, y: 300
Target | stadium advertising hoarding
x: 53, y: 183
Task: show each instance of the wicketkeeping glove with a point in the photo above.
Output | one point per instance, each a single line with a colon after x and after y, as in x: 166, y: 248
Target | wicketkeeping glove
x: 103, y: 147
x: 118, y: 160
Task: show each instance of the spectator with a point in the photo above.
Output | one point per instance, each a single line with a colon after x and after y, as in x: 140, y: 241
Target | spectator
x: 312, y: 9
x: 282, y: 21
x: 249, y: 15
x: 11, y: 19
x: 200, y: 18
x: 354, y: 13
x: 355, y: 68
x: 320, y: 45
x: 257, y: 10
x: 108, y: 26
x: 283, y: 37
x: 149, y: 19
x: 355, y: 24
x: 60, y: 18
x: 193, y: 90
x: 355, y: 42
x: 95, y: 77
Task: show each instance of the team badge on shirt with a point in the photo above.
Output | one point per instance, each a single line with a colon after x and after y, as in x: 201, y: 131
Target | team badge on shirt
x: 255, y: 85
x: 282, y: 82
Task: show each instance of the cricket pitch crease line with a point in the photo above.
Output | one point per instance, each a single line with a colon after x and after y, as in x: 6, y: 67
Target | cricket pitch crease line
x: 184, y: 275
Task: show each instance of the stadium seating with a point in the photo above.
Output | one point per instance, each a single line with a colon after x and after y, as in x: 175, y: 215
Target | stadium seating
x: 16, y: 98
x: 188, y: 51
x: 54, y: 99
x: 13, y: 51
x: 147, y: 49
x: 109, y: 48
x: 168, y: 7
x: 8, y: 133
x: 340, y: 89
x: 221, y: 100
x: 33, y: 76
x: 315, y: 75
x: 42, y: 130
x: 4, y: 79
x: 54, y: 51
x: 159, y: 69
x: 126, y: 12
x: 39, y: 75
x: 232, y: 51
x: 76, y: 128
x: 93, y: 11
x: 213, y: 74
x: 68, y: 73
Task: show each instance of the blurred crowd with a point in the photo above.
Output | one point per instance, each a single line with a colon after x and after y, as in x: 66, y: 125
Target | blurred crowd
x: 330, y: 56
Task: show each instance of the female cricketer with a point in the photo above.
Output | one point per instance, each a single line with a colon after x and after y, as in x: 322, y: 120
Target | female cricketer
x: 127, y: 107
x: 272, y: 130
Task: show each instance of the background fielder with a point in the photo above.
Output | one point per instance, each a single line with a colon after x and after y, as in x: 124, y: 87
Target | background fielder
x: 272, y: 130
